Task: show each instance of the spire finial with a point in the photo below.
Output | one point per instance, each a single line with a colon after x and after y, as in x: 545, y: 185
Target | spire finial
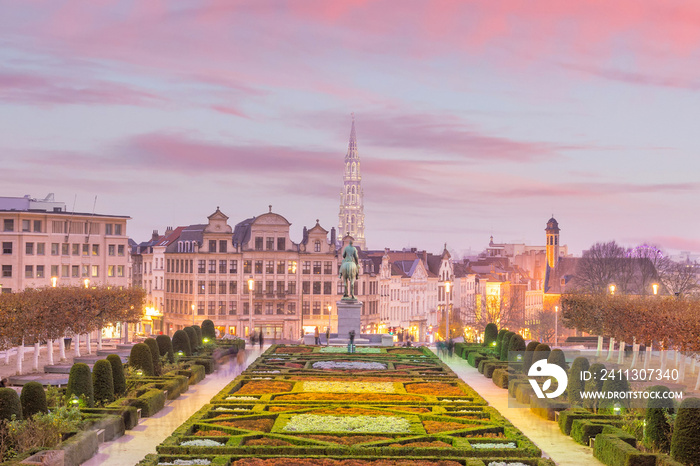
x: 270, y: 206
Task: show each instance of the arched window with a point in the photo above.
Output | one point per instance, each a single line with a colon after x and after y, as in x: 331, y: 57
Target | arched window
x: 353, y: 168
x: 179, y: 246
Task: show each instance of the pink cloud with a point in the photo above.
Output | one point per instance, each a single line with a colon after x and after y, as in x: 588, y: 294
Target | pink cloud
x: 678, y: 243
x: 638, y: 78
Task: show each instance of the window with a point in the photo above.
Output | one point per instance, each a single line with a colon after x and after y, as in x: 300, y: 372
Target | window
x: 40, y: 249
x: 317, y: 309
x: 118, y: 229
x: 75, y: 271
x: 305, y: 308
x: 233, y: 266
x: 317, y: 287
x: 292, y: 288
x: 270, y: 267
x: 232, y: 308
x: 65, y: 249
x: 222, y: 266
x: 86, y: 249
x: 317, y: 246
x: 28, y: 271
x: 39, y: 271
x: 26, y: 225
x: 8, y: 225
x: 212, y: 287
x: 222, y: 308
x: 54, y: 249
x: 247, y: 266
x: 200, y: 308
x: 280, y: 267
x: 317, y: 267
x: 95, y: 249
x: 268, y: 309
x: 108, y: 229
x: 29, y: 249
x: 222, y: 287
x: 258, y: 309
x: 86, y: 271
x: 7, y: 247
x: 258, y: 266
x: 281, y: 244
x: 327, y: 287
x: 211, y: 308
x: 95, y: 270
x: 54, y: 271
x: 292, y: 267
x: 328, y: 268
x: 291, y: 308
x: 201, y: 285
x: 120, y: 251
x: 37, y: 226
x: 120, y: 271
x: 212, y: 265
x: 258, y: 243
x: 212, y: 245
x: 280, y: 308
x: 75, y: 249
x: 110, y: 270
x: 246, y: 309
x: 325, y: 309
x: 7, y: 271
x: 223, y: 245
x: 232, y: 287
x: 201, y: 266
x: 111, y: 250
x: 65, y: 270
x: 280, y: 288
x: 306, y: 287
x: 306, y: 267
x: 269, y: 243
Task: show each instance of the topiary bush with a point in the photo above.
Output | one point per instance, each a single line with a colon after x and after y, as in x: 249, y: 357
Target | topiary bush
x: 576, y: 383
x: 505, y: 344
x: 141, y: 359
x: 529, y: 353
x: 685, y: 444
x: 155, y: 355
x: 208, y: 330
x: 118, y: 379
x: 198, y: 333
x: 103, y: 381
x: 541, y: 352
x: 9, y: 404
x: 33, y: 399
x: 614, y: 382
x: 556, y: 356
x: 499, y: 339
x: 192, y: 336
x: 490, y: 334
x: 165, y: 347
x: 594, y: 384
x: 181, y: 342
x: 657, y: 431
x: 517, y: 345
x: 80, y: 383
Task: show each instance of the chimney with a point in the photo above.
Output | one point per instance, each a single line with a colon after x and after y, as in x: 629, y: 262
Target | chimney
x: 304, y: 235
x: 155, y: 235
x: 168, y: 230
x: 425, y: 258
x: 333, y: 236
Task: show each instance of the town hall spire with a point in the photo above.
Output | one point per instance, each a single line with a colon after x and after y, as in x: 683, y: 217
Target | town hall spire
x: 351, y: 219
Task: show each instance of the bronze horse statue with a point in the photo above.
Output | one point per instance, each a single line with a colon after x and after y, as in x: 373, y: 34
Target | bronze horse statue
x: 349, y: 270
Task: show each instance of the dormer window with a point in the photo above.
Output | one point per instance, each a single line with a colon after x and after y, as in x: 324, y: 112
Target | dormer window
x: 317, y: 246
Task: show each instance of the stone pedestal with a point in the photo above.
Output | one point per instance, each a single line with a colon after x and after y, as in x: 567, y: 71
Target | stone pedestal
x: 349, y: 312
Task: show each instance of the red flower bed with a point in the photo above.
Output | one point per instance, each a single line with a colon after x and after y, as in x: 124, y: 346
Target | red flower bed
x: 262, y: 425
x: 435, y: 444
x: 272, y: 442
x: 434, y: 388
x: 433, y: 427
x: 331, y: 462
x: 211, y: 433
x: 293, y: 349
x: 347, y: 439
x: 410, y: 409
x: 348, y: 397
x: 265, y: 386
x: 277, y: 409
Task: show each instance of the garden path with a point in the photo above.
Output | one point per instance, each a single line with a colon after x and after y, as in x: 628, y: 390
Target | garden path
x: 545, y: 434
x: 143, y: 439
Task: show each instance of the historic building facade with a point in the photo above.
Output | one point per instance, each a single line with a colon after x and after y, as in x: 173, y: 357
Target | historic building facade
x: 351, y: 219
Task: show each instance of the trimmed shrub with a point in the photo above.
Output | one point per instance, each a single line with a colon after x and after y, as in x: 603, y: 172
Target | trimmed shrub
x: 80, y: 383
x: 198, y: 333
x: 208, y: 330
x: 527, y: 357
x: 499, y: 339
x: 685, y: 446
x: 490, y: 334
x: 612, y: 450
x: 557, y: 357
x: 576, y: 384
x: 505, y: 344
x: 155, y: 355
x: 118, y: 379
x: 141, y: 358
x: 192, y: 336
x: 615, y: 383
x: 657, y: 433
x: 595, y: 384
x: 181, y: 342
x: 500, y: 377
x: 9, y: 404
x: 165, y: 347
x: 33, y: 399
x: 517, y: 345
x: 103, y: 381
x: 541, y: 352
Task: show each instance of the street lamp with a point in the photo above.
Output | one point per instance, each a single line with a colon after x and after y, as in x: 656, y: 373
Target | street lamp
x: 251, y: 284
x: 329, y: 317
x: 556, y: 324
x: 612, y: 289
x: 87, y: 282
x: 655, y: 288
x: 447, y: 310
x: 54, y: 280
x: 192, y: 306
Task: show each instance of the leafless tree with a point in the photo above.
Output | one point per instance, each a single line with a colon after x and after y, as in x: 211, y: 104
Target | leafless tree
x: 680, y: 278
x: 543, y: 326
x: 649, y: 263
x: 602, y: 265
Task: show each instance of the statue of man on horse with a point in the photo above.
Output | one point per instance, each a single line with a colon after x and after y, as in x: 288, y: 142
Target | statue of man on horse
x: 349, y: 270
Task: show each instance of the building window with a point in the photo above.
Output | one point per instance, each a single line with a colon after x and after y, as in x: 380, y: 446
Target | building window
x: 232, y: 308
x: 108, y: 229
x: 211, y: 308
x: 118, y: 229
x: 54, y: 271
x: 54, y: 249
x: 212, y: 245
x: 292, y: 267
x: 120, y: 271
x: 317, y: 246
x: 222, y: 287
x: 201, y: 285
x: 120, y: 251
x: 200, y: 308
x: 212, y: 265
x: 39, y: 271
x: 40, y: 249
x: 317, y: 267
x: 222, y: 308
x: 7, y: 247
x: 292, y: 288
x: 291, y: 308
x: 246, y: 309
x: 111, y: 250
x: 8, y: 225
x: 270, y: 267
x: 280, y: 267
x: 233, y: 266
x: 306, y: 287
x: 95, y: 249
x: 86, y: 270
x: 328, y: 268
x: 305, y: 308
x: 280, y: 288
x: 86, y: 249
x: 269, y: 243
x: 212, y: 287
x: 232, y: 287
x: 110, y: 271
x: 317, y: 287
x: 37, y: 226
x: 222, y: 266
x: 325, y: 308
x: 281, y: 244
x: 327, y: 288
x: 7, y: 271
x: 258, y: 266
x: 26, y: 225
x: 29, y: 249
x: 247, y: 266
x: 280, y: 308
x: 95, y: 270
x: 268, y: 309
x: 75, y: 271
x: 75, y: 249
x: 317, y: 308
x: 28, y: 271
x: 65, y: 249
x: 306, y: 267
x: 269, y: 288
x: 223, y: 245
x: 65, y: 270
x: 258, y: 309
x: 201, y: 266
x: 258, y: 243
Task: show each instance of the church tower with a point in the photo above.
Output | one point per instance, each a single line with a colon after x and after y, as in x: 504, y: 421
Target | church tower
x: 351, y: 219
x: 552, y: 231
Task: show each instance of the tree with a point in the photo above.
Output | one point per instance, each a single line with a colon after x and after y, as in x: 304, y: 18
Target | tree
x: 680, y: 278
x: 543, y: 327
x: 602, y: 265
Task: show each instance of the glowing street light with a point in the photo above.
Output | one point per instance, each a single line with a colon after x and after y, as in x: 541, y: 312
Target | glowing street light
x: 655, y: 288
x: 447, y: 309
x: 54, y: 281
x: 612, y: 288
x: 87, y: 283
x: 251, y: 285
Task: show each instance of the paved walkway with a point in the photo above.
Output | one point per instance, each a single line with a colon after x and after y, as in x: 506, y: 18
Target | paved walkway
x: 143, y: 439
x: 545, y: 434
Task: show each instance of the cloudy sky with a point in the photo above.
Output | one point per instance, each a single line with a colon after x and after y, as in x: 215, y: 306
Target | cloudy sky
x: 474, y: 118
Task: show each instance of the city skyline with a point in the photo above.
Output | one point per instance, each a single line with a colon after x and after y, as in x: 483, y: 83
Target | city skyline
x: 473, y: 119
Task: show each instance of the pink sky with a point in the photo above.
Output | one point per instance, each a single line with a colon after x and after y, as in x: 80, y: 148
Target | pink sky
x: 473, y: 118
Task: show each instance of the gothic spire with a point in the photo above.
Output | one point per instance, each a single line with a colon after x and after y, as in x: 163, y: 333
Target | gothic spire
x: 352, y: 145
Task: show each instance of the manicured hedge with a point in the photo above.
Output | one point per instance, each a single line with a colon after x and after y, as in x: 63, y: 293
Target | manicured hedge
x: 613, y: 451
x: 657, y: 432
x: 181, y: 342
x: 529, y: 353
x: 208, y: 330
x: 118, y: 378
x: 165, y: 347
x: 33, y: 399
x: 192, y: 337
x: 198, y: 333
x: 505, y: 344
x: 556, y: 356
x: 576, y: 383
x: 9, y: 404
x: 103, y: 381
x: 490, y: 334
x: 155, y: 354
x: 80, y: 383
x: 141, y: 359
x: 685, y: 443
x: 594, y: 384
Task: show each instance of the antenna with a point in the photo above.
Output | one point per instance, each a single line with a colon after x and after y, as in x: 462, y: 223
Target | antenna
x: 89, y: 224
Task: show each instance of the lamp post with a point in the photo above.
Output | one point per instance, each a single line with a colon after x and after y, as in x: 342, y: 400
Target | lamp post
x: 251, y: 284
x: 301, y: 311
x: 556, y: 324
x: 192, y: 306
x: 655, y: 288
x: 87, y: 283
x: 54, y: 281
x: 447, y: 310
x: 329, y: 316
x: 612, y: 288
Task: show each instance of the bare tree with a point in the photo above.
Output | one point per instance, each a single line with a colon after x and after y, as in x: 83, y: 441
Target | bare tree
x: 681, y: 278
x: 602, y: 265
x: 648, y: 262
x: 543, y: 326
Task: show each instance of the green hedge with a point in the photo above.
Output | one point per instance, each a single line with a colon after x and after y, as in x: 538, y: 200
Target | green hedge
x: 474, y: 358
x: 181, y: 342
x: 33, y: 399
x: 685, y: 443
x: 141, y: 358
x: 582, y: 430
x: 576, y: 384
x: 9, y: 404
x: 80, y: 383
x: 150, y: 402
x: 165, y: 347
x: 128, y: 413
x: 545, y: 407
x: 118, y: 378
x: 103, y: 381
x: 657, y: 431
x: 192, y: 336
x: 613, y: 451
x: 490, y: 334
x: 505, y: 344
x: 500, y: 377
x: 527, y: 357
x: 155, y: 354
x: 208, y: 330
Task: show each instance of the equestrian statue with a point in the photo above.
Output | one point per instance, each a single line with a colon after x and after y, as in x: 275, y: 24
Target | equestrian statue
x: 349, y: 270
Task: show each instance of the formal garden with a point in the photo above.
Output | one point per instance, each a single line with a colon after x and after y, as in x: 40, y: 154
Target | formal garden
x: 100, y: 404
x: 319, y: 405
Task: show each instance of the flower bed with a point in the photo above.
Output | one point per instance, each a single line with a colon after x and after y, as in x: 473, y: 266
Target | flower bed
x: 264, y: 386
x: 345, y: 439
x: 349, y: 365
x: 348, y: 387
x: 437, y: 389
x: 349, y: 397
x: 293, y: 349
x: 343, y: 349
x: 333, y: 462
x: 362, y: 424
x: 261, y: 425
x: 433, y: 427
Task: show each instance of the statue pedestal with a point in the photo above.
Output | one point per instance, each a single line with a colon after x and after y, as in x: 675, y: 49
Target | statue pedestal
x: 349, y: 312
